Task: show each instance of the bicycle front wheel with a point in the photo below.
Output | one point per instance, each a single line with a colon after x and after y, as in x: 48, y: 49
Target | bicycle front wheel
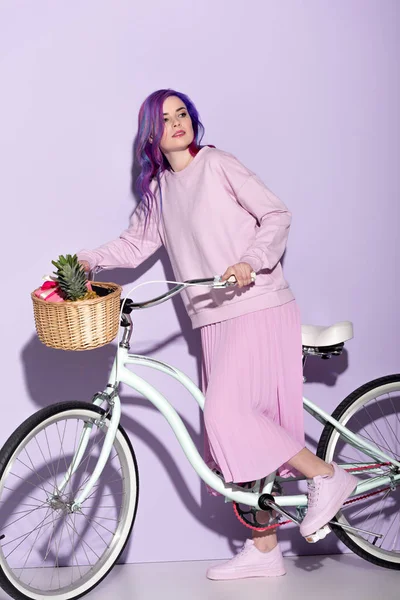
x: 48, y: 551
x: 373, y: 413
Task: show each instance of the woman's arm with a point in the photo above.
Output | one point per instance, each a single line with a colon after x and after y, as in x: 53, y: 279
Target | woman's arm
x: 271, y: 215
x: 273, y: 219
x: 131, y: 248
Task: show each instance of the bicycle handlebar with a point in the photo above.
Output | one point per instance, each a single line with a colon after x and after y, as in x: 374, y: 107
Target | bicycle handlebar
x: 214, y: 282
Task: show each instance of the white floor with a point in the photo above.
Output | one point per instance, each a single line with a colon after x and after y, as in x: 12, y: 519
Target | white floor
x: 336, y: 577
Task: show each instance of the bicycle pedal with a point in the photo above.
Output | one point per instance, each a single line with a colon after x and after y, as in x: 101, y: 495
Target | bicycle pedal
x: 318, y: 535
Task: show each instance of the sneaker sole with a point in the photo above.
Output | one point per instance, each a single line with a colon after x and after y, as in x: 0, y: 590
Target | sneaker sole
x: 244, y: 574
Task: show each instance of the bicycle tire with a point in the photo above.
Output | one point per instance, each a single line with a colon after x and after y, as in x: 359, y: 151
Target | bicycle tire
x: 13, y: 448
x: 326, y: 447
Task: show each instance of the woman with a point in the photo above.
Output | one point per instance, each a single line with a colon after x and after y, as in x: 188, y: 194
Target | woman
x: 215, y: 216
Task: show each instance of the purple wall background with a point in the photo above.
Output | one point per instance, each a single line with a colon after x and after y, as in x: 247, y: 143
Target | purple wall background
x: 305, y: 94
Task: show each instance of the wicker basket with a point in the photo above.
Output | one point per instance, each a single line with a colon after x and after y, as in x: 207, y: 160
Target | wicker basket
x: 80, y: 325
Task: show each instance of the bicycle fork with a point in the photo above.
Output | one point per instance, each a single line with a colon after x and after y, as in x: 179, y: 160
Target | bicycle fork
x: 114, y: 408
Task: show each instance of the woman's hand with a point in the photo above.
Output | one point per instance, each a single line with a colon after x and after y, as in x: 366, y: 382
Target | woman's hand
x: 242, y: 271
x: 85, y: 265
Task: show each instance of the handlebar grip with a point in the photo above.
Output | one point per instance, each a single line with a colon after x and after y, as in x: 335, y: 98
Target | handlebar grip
x: 91, y: 274
x: 232, y: 278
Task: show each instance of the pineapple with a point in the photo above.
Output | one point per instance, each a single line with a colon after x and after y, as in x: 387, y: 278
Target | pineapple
x: 71, y: 278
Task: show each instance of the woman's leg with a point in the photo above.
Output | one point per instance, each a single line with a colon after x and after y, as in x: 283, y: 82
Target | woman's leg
x: 310, y: 465
x: 264, y: 540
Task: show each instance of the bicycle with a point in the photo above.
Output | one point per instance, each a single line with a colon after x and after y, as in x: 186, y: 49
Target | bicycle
x: 69, y: 481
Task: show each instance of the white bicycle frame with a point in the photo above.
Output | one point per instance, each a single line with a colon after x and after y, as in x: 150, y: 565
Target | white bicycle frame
x: 121, y: 374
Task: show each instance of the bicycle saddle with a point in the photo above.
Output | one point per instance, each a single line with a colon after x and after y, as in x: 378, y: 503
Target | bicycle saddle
x: 320, y: 336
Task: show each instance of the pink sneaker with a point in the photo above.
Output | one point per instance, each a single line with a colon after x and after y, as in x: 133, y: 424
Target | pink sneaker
x: 326, y: 495
x: 250, y: 562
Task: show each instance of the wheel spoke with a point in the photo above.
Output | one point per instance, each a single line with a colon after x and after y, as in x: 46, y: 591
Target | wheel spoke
x: 26, y: 513
x: 45, y: 462
x: 15, y: 493
x: 51, y: 459
x: 91, y: 520
x: 84, y: 543
x: 381, y: 506
x: 73, y: 545
x: 397, y: 533
x: 41, y: 566
x: 28, y: 554
x: 387, y: 421
x: 82, y: 485
x: 391, y: 523
x: 25, y: 536
x: 395, y: 412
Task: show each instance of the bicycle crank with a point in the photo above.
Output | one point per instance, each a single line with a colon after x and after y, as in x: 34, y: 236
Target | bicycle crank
x: 266, y: 502
x: 323, y: 532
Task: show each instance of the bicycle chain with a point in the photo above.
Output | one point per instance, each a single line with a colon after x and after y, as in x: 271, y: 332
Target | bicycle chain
x: 276, y: 525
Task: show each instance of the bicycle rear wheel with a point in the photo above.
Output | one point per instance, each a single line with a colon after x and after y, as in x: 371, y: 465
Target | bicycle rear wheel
x: 47, y: 551
x: 372, y: 412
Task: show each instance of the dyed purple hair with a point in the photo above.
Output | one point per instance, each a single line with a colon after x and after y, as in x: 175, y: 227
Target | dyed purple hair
x: 151, y: 160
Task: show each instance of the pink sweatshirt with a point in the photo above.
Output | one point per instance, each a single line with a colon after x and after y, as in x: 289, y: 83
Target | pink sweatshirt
x: 215, y: 213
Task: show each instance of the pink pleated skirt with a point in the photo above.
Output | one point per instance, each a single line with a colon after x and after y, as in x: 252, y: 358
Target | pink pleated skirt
x: 252, y: 378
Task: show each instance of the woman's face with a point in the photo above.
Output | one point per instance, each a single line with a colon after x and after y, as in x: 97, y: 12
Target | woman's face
x: 178, y: 130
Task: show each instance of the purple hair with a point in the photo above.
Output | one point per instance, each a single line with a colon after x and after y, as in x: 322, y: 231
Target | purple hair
x: 151, y: 160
